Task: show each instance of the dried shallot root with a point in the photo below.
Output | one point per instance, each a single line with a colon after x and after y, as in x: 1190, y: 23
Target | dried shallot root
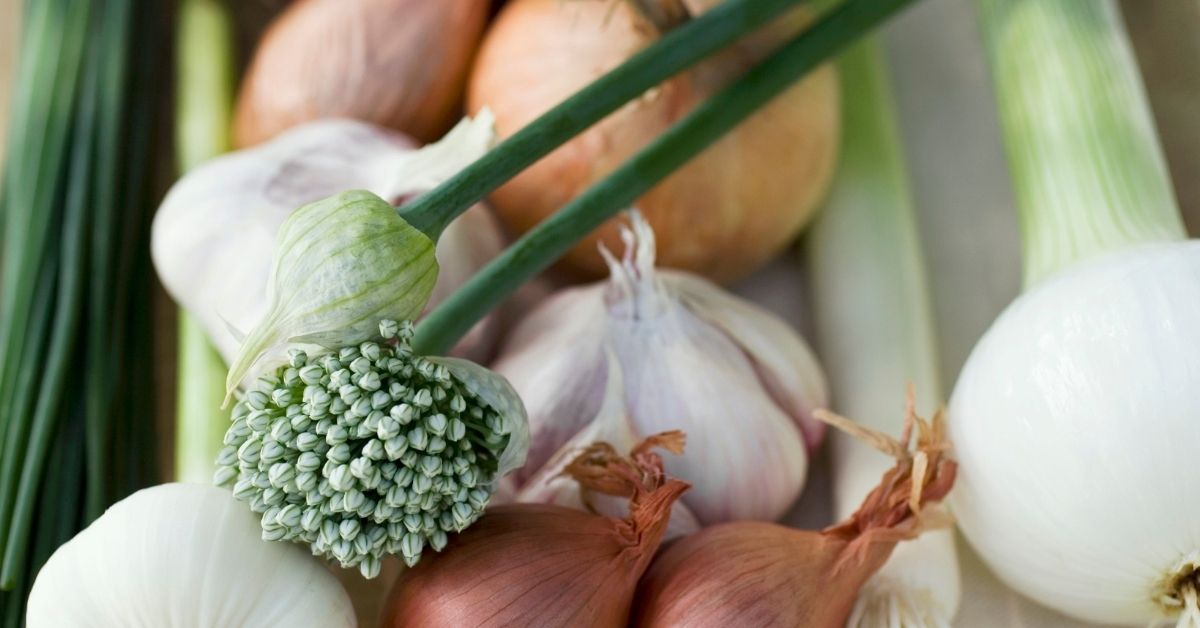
x: 549, y: 565
x: 764, y: 574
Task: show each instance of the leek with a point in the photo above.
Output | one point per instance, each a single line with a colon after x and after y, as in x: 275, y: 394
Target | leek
x: 204, y: 102
x: 875, y: 333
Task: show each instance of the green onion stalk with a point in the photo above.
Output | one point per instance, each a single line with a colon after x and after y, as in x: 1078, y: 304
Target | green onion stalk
x: 875, y: 332
x: 204, y: 105
x: 1087, y: 168
x: 1073, y: 420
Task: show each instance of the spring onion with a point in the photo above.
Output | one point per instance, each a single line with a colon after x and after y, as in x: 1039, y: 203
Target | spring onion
x: 875, y: 333
x: 1074, y: 417
x: 204, y: 103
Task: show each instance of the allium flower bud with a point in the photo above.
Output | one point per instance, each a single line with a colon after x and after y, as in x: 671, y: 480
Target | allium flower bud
x: 394, y: 480
x: 341, y: 264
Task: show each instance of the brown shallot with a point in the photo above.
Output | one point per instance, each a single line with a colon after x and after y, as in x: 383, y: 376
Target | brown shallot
x: 549, y: 565
x: 766, y: 575
x: 400, y: 64
x: 729, y: 210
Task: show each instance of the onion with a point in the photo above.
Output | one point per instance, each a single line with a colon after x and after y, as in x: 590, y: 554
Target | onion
x: 547, y: 565
x: 396, y: 63
x: 764, y: 574
x: 722, y: 215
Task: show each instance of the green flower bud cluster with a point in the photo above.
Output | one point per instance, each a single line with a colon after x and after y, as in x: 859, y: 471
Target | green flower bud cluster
x: 362, y: 452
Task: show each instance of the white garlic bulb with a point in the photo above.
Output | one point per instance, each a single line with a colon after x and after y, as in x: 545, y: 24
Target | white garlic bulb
x: 737, y: 380
x: 214, y: 237
x: 184, y: 556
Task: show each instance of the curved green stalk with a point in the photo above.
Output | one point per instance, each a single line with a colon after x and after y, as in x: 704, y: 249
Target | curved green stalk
x: 705, y: 124
x: 657, y: 62
x: 204, y: 103
x: 1087, y: 168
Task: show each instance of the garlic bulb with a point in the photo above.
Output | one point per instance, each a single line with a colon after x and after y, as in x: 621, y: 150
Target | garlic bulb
x: 737, y: 380
x: 183, y: 556
x: 214, y: 236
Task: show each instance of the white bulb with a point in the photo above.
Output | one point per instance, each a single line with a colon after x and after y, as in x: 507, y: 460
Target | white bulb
x: 1076, y: 426
x: 184, y: 556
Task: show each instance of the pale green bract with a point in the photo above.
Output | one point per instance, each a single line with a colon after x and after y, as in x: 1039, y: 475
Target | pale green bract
x: 370, y: 450
x: 342, y: 264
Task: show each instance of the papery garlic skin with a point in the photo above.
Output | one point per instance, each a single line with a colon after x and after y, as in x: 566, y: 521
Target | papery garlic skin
x: 1075, y: 424
x: 341, y: 265
x: 550, y: 485
x: 214, y: 235
x: 184, y: 556
x: 733, y: 377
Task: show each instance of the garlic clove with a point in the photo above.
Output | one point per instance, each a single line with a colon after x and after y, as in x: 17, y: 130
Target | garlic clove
x: 786, y: 365
x: 557, y: 360
x: 612, y: 425
x: 745, y: 457
x: 341, y: 265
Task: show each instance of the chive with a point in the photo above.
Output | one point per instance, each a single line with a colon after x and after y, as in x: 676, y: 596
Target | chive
x: 673, y: 52
x: 1087, y: 168
x: 33, y: 155
x: 58, y: 355
x: 100, y: 361
x: 537, y: 249
x: 204, y: 104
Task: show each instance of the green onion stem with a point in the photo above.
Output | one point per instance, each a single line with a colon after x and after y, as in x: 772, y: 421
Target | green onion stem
x: 100, y: 359
x: 671, y: 53
x: 874, y: 324
x: 1088, y: 172
x: 204, y: 101
x: 35, y: 175
x: 537, y: 249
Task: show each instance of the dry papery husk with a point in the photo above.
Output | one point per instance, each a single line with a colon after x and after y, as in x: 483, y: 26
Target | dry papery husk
x: 763, y: 574
x: 548, y: 565
x: 726, y: 212
x: 400, y: 64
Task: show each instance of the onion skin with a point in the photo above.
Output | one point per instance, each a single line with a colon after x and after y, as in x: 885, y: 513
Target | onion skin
x: 543, y: 564
x: 764, y: 574
x: 723, y: 214
x: 400, y: 64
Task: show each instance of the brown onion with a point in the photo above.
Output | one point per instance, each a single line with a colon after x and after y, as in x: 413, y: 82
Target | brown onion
x: 763, y: 574
x: 723, y: 214
x: 547, y: 565
x: 396, y: 63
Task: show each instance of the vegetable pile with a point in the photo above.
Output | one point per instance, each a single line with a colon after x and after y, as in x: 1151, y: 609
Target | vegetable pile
x: 400, y: 402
